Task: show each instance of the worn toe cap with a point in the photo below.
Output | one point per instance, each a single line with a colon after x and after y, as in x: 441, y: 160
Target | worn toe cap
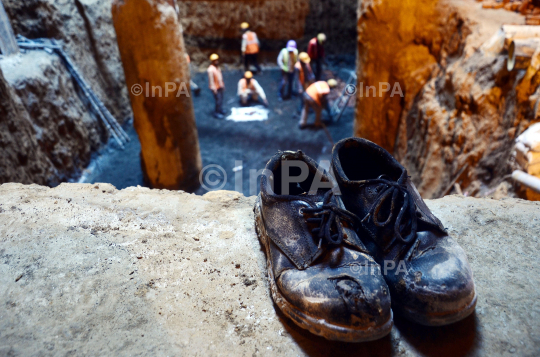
x: 341, y: 296
x: 437, y: 285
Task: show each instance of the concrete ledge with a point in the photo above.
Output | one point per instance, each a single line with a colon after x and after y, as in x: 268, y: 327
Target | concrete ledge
x: 90, y: 270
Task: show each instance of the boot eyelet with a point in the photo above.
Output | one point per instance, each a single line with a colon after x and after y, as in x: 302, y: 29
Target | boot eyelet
x: 301, y: 211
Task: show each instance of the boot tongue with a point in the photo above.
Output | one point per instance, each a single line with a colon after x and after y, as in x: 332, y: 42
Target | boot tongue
x: 316, y: 199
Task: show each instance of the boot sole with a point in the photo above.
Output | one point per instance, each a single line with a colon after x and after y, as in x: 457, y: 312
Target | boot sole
x: 314, y: 325
x: 439, y: 319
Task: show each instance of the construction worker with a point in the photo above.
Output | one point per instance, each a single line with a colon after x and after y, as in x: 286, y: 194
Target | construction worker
x: 194, y: 87
x: 316, y: 97
x: 250, y: 90
x: 317, y: 55
x: 286, y: 60
x: 305, y: 75
x: 250, y: 47
x: 215, y: 82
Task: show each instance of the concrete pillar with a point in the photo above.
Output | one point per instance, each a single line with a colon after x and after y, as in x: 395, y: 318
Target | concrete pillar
x: 157, y: 75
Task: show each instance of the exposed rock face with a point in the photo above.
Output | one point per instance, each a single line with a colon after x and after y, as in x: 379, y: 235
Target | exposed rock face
x: 461, y: 109
x: 90, y: 269
x: 152, y: 47
x: 387, y: 53
x: 53, y: 134
x: 46, y: 133
x: 86, y: 28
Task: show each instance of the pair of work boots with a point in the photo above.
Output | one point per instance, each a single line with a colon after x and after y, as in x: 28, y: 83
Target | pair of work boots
x: 341, y: 255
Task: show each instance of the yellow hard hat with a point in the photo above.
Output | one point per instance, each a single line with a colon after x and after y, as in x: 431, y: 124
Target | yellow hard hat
x: 321, y: 37
x: 304, y: 57
x: 244, y: 25
x: 248, y: 75
x: 214, y: 57
x: 332, y: 83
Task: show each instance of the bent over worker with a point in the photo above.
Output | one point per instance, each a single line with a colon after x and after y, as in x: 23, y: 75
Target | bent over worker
x: 216, y: 85
x: 304, y: 72
x: 316, y: 97
x: 250, y: 47
x: 250, y: 90
x: 286, y: 60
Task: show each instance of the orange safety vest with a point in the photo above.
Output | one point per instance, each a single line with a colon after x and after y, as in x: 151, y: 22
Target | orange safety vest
x: 215, y: 77
x: 243, y: 84
x: 317, y: 90
x: 252, y: 44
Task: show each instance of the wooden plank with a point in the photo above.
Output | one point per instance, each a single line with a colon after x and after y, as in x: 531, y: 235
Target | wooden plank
x: 8, y: 43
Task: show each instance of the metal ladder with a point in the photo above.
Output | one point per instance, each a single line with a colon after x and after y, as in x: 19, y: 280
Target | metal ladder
x: 340, y: 104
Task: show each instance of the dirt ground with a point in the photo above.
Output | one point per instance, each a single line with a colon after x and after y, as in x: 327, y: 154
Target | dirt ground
x: 224, y: 142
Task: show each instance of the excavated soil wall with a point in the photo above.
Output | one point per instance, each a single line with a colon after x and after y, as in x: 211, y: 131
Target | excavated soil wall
x: 86, y: 29
x: 50, y: 132
x: 461, y: 109
x: 211, y: 26
x: 46, y: 133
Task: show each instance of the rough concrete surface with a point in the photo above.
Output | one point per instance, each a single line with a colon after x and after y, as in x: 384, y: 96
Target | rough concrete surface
x: 89, y: 270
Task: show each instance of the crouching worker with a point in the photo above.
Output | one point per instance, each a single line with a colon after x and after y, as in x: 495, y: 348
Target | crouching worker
x: 316, y: 97
x: 249, y: 90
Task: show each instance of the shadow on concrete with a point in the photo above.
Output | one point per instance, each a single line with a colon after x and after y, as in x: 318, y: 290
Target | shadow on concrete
x: 314, y: 345
x: 459, y: 339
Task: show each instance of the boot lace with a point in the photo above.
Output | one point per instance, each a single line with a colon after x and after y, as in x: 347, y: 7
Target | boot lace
x: 392, y: 190
x: 329, y: 216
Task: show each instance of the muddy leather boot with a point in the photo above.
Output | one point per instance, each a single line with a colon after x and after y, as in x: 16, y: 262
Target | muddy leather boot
x: 319, y: 272
x: 428, y: 274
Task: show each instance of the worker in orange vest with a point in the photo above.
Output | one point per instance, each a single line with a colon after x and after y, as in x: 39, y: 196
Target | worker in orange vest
x: 250, y: 47
x: 317, y: 55
x: 304, y: 74
x: 316, y: 97
x: 250, y: 90
x: 216, y: 85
